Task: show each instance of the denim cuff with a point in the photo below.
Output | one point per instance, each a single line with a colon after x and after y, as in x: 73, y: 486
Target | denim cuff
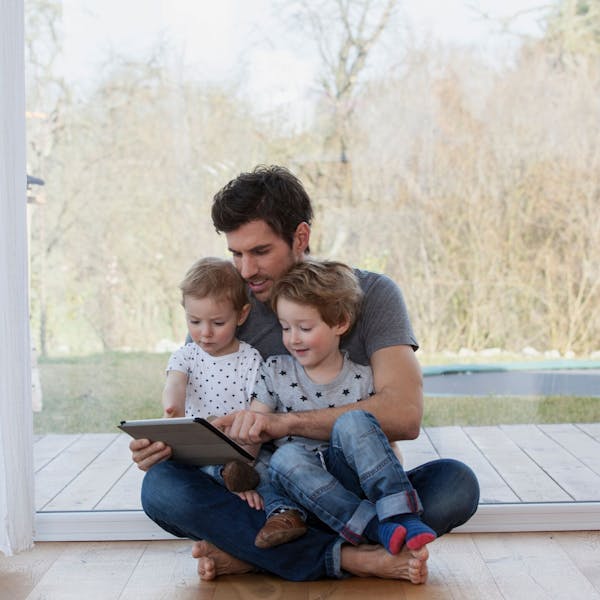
x: 291, y: 506
x: 333, y: 560
x: 399, y: 504
x: 353, y: 529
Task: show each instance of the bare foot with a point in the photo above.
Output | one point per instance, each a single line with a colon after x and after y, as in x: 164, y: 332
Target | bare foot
x: 375, y: 561
x: 213, y: 562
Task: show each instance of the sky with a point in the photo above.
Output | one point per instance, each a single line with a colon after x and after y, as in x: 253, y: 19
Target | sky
x: 238, y: 40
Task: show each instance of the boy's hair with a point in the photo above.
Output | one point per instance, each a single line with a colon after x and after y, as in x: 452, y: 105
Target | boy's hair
x: 331, y: 287
x: 215, y: 277
x: 271, y: 194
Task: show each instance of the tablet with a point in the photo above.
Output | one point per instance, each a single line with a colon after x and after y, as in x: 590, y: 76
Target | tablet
x: 194, y: 440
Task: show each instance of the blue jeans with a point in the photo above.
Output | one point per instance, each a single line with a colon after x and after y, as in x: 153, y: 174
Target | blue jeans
x: 187, y: 503
x: 355, y: 479
x: 273, y: 499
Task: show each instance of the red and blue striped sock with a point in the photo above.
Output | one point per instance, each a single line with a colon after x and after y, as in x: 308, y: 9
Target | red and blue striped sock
x: 391, y: 536
x: 417, y: 533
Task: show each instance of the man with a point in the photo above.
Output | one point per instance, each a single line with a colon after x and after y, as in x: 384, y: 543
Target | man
x: 266, y: 216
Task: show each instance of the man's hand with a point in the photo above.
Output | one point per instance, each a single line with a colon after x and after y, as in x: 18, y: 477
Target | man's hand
x: 146, y: 454
x: 251, y: 427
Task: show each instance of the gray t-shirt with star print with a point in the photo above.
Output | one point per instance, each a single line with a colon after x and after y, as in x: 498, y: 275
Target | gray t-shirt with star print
x: 284, y: 386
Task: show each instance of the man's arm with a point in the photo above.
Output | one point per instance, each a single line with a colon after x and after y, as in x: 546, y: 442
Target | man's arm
x: 398, y: 401
x: 397, y: 404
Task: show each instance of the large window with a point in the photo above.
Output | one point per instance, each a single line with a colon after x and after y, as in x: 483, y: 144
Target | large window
x: 456, y: 152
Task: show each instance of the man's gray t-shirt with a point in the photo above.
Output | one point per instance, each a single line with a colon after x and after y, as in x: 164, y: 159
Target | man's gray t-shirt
x: 383, y: 322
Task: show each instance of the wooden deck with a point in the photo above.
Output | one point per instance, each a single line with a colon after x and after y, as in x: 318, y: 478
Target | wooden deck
x: 536, y: 472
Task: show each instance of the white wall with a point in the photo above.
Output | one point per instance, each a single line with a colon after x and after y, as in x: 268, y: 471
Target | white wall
x: 16, y: 432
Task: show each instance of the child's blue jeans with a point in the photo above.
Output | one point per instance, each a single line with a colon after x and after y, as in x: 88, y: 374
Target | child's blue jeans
x: 358, y: 477
x: 272, y: 498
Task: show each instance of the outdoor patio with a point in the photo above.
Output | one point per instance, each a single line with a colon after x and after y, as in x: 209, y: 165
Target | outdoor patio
x: 532, y: 478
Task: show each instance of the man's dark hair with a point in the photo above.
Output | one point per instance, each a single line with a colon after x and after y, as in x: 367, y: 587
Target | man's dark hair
x: 268, y: 193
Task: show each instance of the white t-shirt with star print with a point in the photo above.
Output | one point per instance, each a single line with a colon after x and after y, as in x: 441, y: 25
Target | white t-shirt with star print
x: 284, y: 386
x: 217, y: 385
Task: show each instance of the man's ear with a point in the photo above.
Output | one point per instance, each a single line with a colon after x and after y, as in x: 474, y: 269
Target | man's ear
x: 243, y: 314
x: 301, y: 239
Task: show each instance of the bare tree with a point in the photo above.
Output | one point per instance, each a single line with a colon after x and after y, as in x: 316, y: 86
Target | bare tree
x: 344, y: 34
x: 477, y: 189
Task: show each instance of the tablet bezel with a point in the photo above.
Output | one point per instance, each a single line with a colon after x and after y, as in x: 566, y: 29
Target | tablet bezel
x: 193, y: 440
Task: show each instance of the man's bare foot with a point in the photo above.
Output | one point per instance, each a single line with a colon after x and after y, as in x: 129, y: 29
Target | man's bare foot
x: 376, y: 561
x: 213, y: 562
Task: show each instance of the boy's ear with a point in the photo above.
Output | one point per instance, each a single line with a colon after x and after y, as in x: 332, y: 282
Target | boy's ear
x: 342, y: 327
x: 243, y: 314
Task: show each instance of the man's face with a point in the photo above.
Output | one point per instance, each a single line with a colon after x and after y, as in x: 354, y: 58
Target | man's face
x: 262, y: 256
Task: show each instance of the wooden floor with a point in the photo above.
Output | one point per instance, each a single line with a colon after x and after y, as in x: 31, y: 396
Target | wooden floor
x: 92, y: 474
x: 514, y: 464
x: 510, y: 566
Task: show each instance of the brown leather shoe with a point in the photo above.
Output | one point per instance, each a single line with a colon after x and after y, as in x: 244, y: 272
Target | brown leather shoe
x: 239, y: 476
x: 280, y: 528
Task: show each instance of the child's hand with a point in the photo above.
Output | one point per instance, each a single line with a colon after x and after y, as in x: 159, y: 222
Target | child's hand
x: 253, y: 498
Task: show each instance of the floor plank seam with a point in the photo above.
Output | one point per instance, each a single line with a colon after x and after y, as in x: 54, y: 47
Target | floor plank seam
x: 111, y: 487
x: 493, y: 466
x: 133, y: 570
x: 544, y: 470
x: 81, y: 470
x: 76, y: 438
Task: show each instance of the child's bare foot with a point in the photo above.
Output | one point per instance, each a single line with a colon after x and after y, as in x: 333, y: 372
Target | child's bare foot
x: 213, y: 562
x: 375, y: 561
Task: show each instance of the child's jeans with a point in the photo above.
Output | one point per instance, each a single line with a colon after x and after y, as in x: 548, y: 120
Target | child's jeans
x: 274, y: 501
x: 358, y: 477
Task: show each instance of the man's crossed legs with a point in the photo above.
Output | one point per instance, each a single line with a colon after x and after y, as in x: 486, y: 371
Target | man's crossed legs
x: 187, y: 503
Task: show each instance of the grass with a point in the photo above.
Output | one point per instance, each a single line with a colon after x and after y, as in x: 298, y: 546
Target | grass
x: 94, y: 393
x: 496, y: 410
